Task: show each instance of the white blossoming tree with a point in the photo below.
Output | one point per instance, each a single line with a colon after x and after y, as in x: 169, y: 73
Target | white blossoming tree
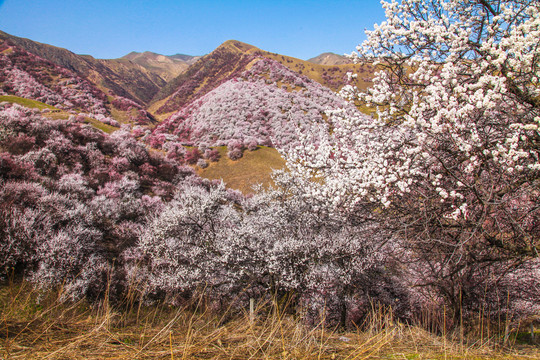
x: 451, y: 161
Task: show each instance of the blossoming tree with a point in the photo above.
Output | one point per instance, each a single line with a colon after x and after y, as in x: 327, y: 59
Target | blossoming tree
x: 451, y: 161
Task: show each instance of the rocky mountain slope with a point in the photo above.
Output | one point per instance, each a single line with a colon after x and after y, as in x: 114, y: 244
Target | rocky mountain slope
x: 211, y: 109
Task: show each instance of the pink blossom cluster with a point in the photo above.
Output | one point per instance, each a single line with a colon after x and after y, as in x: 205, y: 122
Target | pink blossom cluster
x: 69, y: 190
x: 29, y: 76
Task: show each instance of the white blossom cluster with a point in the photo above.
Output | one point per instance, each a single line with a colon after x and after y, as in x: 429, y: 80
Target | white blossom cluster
x: 450, y: 163
x: 274, y: 243
x: 457, y: 99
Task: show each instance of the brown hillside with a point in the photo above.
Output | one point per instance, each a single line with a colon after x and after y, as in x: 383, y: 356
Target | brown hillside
x: 227, y: 61
x: 331, y: 76
x: 167, y: 67
x: 121, y: 76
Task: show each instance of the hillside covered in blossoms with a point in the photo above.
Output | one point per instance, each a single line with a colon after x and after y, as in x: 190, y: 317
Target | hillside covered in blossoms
x: 396, y: 188
x: 265, y: 105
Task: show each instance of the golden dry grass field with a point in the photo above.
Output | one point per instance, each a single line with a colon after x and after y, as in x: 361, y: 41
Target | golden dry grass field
x: 38, y: 326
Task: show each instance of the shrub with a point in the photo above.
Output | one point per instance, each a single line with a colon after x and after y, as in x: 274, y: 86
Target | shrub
x: 235, y: 154
x: 202, y: 164
x: 212, y: 155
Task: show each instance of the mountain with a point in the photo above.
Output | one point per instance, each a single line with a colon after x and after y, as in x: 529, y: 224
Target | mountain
x: 119, y: 76
x: 167, y: 67
x: 253, y: 96
x: 24, y: 75
x: 329, y: 58
x: 28, y: 76
x: 165, y: 84
x: 225, y: 62
x: 267, y: 104
x: 238, y: 96
x: 234, y: 57
x: 330, y: 76
x: 187, y: 58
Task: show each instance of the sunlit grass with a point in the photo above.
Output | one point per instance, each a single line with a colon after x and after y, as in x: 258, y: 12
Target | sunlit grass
x: 255, y: 167
x: 55, y: 113
x: 101, y: 126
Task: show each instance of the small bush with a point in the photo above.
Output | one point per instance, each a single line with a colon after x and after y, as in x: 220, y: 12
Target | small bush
x: 202, y: 164
x: 235, y: 154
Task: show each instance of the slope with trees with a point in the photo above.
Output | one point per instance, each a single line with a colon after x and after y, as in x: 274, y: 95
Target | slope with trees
x: 28, y: 76
x: 74, y: 199
x: 99, y: 213
x: 232, y: 58
x: 431, y: 207
x: 120, y: 76
x: 265, y: 105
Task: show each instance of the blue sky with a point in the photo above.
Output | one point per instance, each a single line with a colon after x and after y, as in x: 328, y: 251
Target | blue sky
x: 113, y: 28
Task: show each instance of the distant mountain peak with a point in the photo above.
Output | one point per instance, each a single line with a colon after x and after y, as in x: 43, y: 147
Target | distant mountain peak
x: 168, y: 67
x: 183, y: 57
x: 130, y: 55
x: 329, y: 58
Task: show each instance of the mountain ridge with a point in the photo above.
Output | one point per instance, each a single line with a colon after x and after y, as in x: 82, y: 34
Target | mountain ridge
x: 165, y: 84
x: 233, y: 57
x: 238, y: 96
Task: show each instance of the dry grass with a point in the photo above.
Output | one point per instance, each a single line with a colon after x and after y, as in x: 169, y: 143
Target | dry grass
x: 255, y: 167
x: 35, y: 326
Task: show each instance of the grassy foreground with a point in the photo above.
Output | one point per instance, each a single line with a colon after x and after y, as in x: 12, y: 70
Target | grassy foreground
x: 51, y: 329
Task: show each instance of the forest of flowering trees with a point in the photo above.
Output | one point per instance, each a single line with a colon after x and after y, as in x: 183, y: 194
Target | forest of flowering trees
x: 26, y: 75
x: 94, y: 211
x: 267, y: 105
x: 432, y: 205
